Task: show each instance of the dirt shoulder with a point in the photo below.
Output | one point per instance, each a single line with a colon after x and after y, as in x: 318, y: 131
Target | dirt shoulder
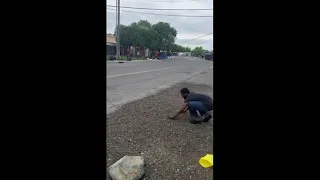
x: 171, y: 148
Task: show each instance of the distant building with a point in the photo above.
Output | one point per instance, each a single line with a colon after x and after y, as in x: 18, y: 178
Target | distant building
x: 187, y: 53
x: 180, y: 54
x: 184, y: 53
x: 111, y: 44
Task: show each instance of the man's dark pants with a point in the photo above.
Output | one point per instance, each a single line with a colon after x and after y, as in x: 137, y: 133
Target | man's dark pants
x: 195, y: 106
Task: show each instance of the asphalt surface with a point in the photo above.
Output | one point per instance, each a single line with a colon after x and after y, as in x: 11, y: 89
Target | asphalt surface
x: 171, y: 148
x: 129, y: 81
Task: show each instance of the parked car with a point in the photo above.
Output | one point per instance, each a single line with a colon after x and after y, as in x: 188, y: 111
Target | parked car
x: 208, y: 56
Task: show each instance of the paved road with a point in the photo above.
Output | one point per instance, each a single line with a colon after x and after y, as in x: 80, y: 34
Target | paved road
x: 130, y: 81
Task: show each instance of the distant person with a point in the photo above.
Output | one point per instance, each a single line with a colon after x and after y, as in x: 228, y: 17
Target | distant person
x: 130, y: 57
x: 157, y: 54
x: 160, y: 55
x: 195, y: 102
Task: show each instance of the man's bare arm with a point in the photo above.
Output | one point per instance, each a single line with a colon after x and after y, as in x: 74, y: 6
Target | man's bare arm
x: 187, y: 108
x: 183, y: 109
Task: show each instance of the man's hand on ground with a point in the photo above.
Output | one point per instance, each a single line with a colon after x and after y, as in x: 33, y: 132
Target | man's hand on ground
x: 182, y: 110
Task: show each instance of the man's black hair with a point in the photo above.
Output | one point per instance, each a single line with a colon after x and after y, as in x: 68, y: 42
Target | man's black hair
x: 184, y: 91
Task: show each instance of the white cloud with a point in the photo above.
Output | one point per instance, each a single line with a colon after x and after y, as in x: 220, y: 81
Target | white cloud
x: 187, y: 27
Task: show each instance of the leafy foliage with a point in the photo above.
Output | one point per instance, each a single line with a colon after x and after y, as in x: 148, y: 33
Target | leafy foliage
x: 179, y: 48
x: 198, y: 51
x: 159, y: 36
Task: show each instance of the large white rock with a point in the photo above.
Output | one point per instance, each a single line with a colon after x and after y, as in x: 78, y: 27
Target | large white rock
x: 127, y: 168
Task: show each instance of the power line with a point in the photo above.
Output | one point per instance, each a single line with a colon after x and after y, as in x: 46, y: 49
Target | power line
x: 191, y: 29
x: 199, y: 37
x: 160, y: 14
x: 162, y: 9
x: 176, y: 1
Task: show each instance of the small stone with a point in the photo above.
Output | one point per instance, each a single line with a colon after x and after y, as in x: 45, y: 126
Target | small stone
x: 127, y: 168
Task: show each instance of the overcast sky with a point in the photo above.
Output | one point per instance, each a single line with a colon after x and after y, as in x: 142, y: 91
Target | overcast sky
x: 187, y: 27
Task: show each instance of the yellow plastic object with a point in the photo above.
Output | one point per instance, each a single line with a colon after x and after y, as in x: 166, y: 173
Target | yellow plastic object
x: 206, y: 161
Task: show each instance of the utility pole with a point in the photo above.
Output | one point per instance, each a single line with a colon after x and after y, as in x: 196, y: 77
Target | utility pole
x: 118, y: 31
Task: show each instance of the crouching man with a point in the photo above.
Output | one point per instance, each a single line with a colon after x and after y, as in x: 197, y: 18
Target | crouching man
x: 196, y: 102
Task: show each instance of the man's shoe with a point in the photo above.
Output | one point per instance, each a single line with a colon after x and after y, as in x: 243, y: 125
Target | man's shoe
x: 206, y: 117
x: 195, y: 120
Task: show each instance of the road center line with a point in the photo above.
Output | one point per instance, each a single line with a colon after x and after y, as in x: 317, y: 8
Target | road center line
x: 117, y: 75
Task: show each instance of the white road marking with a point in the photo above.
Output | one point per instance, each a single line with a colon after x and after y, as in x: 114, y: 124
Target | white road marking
x: 117, y: 75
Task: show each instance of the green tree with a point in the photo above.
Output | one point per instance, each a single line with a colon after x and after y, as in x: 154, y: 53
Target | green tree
x: 188, y: 49
x: 179, y: 48
x: 144, y: 24
x: 126, y: 38
x: 159, y: 36
x: 165, y: 35
x: 198, y: 51
x: 175, y: 48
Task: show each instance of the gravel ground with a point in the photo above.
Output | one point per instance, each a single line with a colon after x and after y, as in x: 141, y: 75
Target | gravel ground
x: 171, y: 148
